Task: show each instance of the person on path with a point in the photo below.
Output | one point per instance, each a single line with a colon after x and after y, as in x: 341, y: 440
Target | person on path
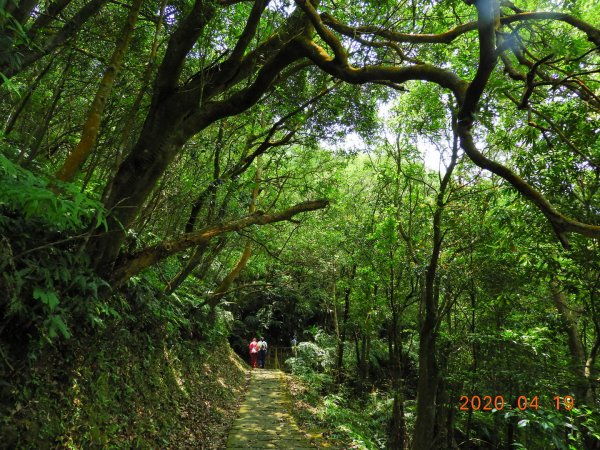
x: 294, y: 343
x: 262, y: 352
x: 253, y: 349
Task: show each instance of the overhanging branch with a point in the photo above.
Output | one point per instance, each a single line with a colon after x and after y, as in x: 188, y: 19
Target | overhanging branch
x: 449, y: 36
x: 487, y: 61
x: 147, y: 257
x: 560, y: 223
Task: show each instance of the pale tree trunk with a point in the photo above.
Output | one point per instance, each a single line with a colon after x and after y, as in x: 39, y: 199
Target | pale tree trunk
x: 91, y: 126
x: 429, y: 376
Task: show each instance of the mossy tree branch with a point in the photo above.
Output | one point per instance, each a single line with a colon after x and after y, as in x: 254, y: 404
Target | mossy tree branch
x: 467, y: 94
x: 136, y: 262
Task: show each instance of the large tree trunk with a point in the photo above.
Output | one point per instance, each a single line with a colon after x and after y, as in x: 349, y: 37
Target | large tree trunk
x: 126, y: 139
x: 157, y: 144
x: 132, y: 185
x: 179, y: 112
x: 161, y: 139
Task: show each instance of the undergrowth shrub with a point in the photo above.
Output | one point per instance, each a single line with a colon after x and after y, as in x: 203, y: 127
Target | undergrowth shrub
x: 359, y: 417
x: 363, y: 421
x: 80, y: 367
x: 47, y: 281
x: 316, y: 356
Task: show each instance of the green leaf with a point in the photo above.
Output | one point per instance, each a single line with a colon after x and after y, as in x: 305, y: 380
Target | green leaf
x: 55, y: 325
x: 48, y: 298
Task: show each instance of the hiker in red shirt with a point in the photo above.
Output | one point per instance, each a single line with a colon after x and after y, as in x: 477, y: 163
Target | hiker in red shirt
x: 253, y: 347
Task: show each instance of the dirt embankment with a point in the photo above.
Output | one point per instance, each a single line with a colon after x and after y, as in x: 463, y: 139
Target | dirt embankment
x: 124, y: 390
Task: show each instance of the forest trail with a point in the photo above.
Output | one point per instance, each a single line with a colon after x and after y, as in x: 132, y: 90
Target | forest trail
x: 263, y: 420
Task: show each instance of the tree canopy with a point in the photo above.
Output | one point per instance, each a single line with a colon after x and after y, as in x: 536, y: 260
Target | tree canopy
x: 415, y: 186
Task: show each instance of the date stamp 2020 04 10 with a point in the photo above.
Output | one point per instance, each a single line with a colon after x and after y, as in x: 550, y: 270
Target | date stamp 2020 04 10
x: 497, y: 403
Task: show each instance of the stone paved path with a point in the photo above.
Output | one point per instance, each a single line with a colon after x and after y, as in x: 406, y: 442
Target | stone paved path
x: 263, y: 421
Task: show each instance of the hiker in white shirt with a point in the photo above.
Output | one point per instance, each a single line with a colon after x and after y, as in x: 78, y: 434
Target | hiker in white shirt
x: 262, y: 352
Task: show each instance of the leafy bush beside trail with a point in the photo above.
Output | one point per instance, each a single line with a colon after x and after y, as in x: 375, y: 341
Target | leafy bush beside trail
x: 81, y: 368
x: 354, y: 420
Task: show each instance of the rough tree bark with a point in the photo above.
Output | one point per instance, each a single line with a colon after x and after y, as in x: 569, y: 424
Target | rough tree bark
x: 129, y: 126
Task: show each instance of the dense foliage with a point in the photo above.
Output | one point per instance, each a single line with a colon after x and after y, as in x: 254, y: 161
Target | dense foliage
x: 412, y: 188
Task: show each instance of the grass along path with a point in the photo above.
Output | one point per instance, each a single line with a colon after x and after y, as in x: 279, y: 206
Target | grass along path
x: 263, y: 420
